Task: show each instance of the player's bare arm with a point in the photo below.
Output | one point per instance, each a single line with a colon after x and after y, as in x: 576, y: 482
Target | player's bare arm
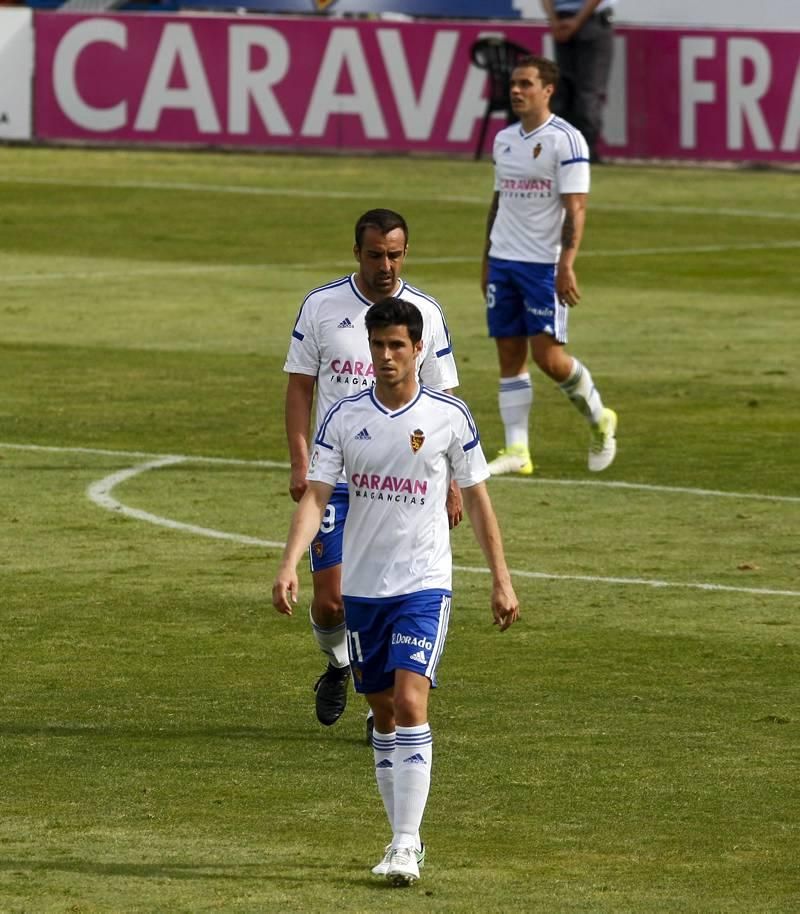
x: 564, y: 29
x: 299, y: 399
x: 306, y: 520
x: 489, y: 223
x: 454, y: 503
x: 571, y: 236
x: 505, y: 606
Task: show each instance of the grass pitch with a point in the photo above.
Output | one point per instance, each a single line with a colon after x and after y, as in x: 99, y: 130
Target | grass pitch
x: 630, y: 746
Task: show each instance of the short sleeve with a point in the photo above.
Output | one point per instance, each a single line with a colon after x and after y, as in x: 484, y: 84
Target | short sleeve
x: 438, y: 367
x: 465, y: 452
x: 303, y: 356
x: 574, y: 176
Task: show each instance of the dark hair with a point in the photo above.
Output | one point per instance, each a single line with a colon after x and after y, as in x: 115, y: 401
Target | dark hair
x: 384, y: 220
x: 548, y: 69
x: 395, y: 312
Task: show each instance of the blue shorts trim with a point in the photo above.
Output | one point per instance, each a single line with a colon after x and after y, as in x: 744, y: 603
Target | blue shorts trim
x: 325, y: 550
x: 407, y: 632
x: 521, y: 300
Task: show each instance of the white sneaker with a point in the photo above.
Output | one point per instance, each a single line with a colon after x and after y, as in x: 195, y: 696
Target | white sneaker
x: 514, y: 459
x: 382, y: 868
x: 403, y: 869
x: 603, y: 444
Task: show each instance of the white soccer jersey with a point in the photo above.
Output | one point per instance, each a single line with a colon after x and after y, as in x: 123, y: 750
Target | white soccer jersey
x: 398, y: 467
x: 532, y: 170
x: 329, y: 341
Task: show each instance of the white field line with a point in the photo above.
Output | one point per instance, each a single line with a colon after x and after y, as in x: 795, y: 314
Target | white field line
x: 640, y: 582
x: 652, y: 487
x: 100, y: 493
x: 283, y: 465
x: 168, y: 269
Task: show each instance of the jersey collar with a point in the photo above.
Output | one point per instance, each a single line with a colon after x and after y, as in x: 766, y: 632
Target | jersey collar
x: 527, y: 136
x: 366, y: 301
x: 399, y: 412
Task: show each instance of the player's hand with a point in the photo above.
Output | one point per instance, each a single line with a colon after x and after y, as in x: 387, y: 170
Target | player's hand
x: 297, y: 483
x: 564, y: 29
x: 505, y: 606
x: 455, y: 505
x: 484, y: 276
x: 284, y: 591
x: 567, y: 287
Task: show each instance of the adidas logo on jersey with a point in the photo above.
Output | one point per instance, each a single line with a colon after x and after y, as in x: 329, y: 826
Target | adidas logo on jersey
x: 345, y: 324
x: 363, y: 435
x: 415, y: 759
x: 419, y: 657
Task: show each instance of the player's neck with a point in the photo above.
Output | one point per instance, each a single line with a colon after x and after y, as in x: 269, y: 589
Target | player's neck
x: 373, y: 296
x: 396, y: 396
x: 534, y: 121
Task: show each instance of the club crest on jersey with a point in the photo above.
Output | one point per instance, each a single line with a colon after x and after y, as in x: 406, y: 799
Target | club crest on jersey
x: 537, y: 150
x: 417, y: 439
x: 318, y: 548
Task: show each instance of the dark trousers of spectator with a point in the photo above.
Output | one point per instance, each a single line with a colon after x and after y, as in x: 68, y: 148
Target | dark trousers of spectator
x: 585, y: 64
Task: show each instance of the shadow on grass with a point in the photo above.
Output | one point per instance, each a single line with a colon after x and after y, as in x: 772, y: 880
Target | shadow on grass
x: 140, y: 870
x: 266, y: 871
x: 256, y: 734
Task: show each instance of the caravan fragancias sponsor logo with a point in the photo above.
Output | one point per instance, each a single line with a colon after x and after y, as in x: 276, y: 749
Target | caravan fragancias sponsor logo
x: 400, y: 484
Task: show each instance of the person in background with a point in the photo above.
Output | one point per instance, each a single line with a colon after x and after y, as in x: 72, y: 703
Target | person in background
x: 583, y: 31
x: 533, y: 233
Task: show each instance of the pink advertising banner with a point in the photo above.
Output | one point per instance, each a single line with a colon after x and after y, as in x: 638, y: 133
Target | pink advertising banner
x: 295, y: 83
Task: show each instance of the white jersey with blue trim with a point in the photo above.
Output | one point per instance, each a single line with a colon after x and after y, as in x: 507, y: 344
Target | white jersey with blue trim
x: 329, y: 342
x: 532, y: 170
x: 398, y: 466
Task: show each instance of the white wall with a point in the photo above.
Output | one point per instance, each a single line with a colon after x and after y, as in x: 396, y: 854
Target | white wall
x: 16, y: 70
x: 764, y: 15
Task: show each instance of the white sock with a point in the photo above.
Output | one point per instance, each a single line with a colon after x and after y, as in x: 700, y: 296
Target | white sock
x: 332, y: 642
x: 515, y: 400
x: 413, y: 760
x: 383, y: 748
x: 580, y: 389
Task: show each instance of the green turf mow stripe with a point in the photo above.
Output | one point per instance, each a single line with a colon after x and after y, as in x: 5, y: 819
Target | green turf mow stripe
x: 317, y: 193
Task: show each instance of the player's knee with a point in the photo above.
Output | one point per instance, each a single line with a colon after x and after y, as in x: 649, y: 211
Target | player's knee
x: 327, y: 610
x: 552, y: 362
x: 409, y: 709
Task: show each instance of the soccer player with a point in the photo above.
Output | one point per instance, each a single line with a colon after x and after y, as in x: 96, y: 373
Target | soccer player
x: 534, y: 231
x: 399, y: 445
x: 329, y: 351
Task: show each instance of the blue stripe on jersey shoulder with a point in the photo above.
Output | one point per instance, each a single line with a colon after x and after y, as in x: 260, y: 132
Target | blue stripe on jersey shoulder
x: 449, y: 348
x: 330, y: 285
x: 332, y: 412
x: 573, y: 161
x: 572, y: 134
x: 461, y: 406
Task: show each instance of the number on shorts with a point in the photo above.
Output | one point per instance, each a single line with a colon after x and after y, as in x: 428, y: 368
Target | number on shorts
x: 490, y: 295
x: 329, y: 520
x: 355, y: 646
